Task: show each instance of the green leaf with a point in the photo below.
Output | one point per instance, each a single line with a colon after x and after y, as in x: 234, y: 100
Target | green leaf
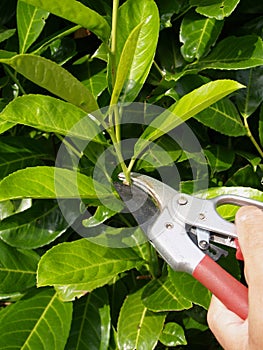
x: 34, y: 227
x: 88, y: 266
x: 172, y: 335
x: 222, y: 116
x: 261, y: 125
x: 218, y: 9
x: 91, y: 322
x: 245, y: 176
x: 53, y: 78
x: 234, y: 53
x: 49, y: 114
x: 49, y: 182
x: 161, y: 295
x: 30, y: 23
x: 138, y: 328
x: 219, y: 158
x: 17, y: 269
x: 190, y: 288
x: 76, y: 12
x: 198, y: 34
x: 6, y: 34
x: 249, y: 99
x: 125, y: 63
x: 38, y: 321
x: 188, y: 106
x: 142, y: 19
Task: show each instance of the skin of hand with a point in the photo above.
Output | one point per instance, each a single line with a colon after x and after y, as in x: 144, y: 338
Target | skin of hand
x: 231, y: 331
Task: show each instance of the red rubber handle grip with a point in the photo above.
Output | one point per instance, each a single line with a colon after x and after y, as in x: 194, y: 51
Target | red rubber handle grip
x: 233, y: 294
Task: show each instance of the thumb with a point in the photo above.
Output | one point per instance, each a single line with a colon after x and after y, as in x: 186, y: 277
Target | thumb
x: 249, y: 225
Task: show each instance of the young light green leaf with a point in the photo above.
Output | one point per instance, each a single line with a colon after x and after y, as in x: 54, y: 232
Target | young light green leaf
x: 90, y: 322
x: 187, y: 107
x: 76, y: 12
x: 190, y: 288
x: 17, y: 269
x: 218, y: 9
x: 162, y: 295
x: 125, y: 62
x: 30, y: 23
x: 101, y: 214
x: 88, y: 266
x: 49, y: 182
x: 6, y: 34
x: 135, y: 14
x: 54, y: 78
x: 49, y: 114
x: 198, y: 34
x: 173, y: 335
x: 34, y: 227
x: 25, y: 324
x: 138, y: 328
x: 224, y: 117
x: 234, y: 53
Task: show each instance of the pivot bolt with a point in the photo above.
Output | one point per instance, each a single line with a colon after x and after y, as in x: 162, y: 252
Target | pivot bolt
x: 203, y: 245
x: 169, y: 226
x: 182, y: 201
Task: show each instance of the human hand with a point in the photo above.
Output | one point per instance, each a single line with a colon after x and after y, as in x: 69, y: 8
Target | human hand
x: 232, y: 332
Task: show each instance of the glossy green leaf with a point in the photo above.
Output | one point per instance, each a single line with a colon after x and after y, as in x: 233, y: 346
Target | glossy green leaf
x: 144, y: 16
x: 198, y: 34
x: 34, y: 227
x: 88, y: 266
x: 249, y: 99
x: 219, y: 158
x: 30, y: 23
x: 172, y: 335
x: 49, y: 114
x: 6, y: 34
x: 49, y: 182
x: 76, y: 12
x: 224, y: 117
x: 218, y: 9
x: 138, y: 328
x: 190, y: 288
x: 7, y: 54
x: 187, y: 107
x: 102, y: 214
x: 38, y: 321
x: 53, y: 78
x: 234, y: 53
x: 162, y: 295
x: 91, y: 322
x: 17, y: 269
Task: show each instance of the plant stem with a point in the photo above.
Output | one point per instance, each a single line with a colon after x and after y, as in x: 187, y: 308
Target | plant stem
x: 14, y: 78
x: 253, y: 140
x: 114, y: 38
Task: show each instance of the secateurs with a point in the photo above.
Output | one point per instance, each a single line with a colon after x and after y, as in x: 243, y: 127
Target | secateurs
x: 183, y: 228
